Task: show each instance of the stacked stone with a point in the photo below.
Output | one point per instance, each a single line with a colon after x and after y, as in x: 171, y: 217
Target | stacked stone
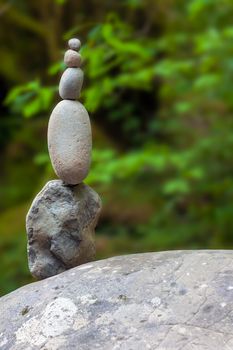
x: 62, y: 218
x: 69, y: 131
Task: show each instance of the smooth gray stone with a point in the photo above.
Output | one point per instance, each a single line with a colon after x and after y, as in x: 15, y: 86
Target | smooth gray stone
x: 72, y: 59
x: 70, y: 141
x: 71, y: 84
x: 74, y: 44
x: 60, y: 226
x: 163, y: 301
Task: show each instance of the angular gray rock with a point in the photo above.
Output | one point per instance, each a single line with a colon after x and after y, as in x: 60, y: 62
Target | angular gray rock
x: 70, y: 141
x: 71, y: 84
x: 163, y: 301
x: 60, y: 226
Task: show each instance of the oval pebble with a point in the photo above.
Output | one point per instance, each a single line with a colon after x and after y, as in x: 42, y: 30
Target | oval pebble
x: 72, y: 59
x: 71, y: 84
x: 70, y: 141
x: 74, y: 44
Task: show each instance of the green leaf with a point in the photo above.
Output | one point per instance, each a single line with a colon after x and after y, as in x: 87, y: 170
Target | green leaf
x: 60, y: 2
x: 32, y: 108
x: 176, y: 186
x: 207, y: 81
x: 183, y: 107
x: 56, y: 68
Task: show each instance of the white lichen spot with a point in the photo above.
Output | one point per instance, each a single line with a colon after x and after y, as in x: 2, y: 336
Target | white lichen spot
x: 223, y: 304
x: 204, y: 263
x: 85, y: 267
x: 188, y: 274
x: 105, y: 268
x: 92, y: 272
x: 229, y: 287
x: 80, y: 322
x: 87, y: 299
x: 104, y: 319
x: 156, y: 301
x: 30, y: 332
x: 203, y: 286
x: 55, y: 344
x: 3, y: 340
x: 132, y: 330
x: 181, y: 330
x: 55, y: 320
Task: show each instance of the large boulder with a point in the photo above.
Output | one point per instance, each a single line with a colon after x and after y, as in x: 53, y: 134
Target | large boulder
x: 168, y: 300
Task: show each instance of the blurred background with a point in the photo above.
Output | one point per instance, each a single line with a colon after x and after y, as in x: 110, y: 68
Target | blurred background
x: 159, y: 90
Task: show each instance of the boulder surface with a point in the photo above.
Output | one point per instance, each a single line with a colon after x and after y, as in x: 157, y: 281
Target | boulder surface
x: 168, y: 300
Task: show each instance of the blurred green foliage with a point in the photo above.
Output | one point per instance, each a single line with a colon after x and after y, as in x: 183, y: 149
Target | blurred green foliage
x: 159, y: 81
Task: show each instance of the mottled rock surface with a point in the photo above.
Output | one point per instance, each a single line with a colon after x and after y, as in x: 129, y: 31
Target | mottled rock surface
x: 72, y: 59
x: 70, y: 141
x: 71, y: 84
x: 163, y: 301
x: 60, y: 226
x: 74, y: 44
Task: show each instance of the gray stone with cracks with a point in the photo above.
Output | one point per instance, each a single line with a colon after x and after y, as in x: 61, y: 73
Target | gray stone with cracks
x: 161, y: 301
x: 60, y: 226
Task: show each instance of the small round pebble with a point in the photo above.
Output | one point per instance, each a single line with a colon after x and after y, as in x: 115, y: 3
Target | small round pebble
x: 74, y: 44
x: 72, y: 59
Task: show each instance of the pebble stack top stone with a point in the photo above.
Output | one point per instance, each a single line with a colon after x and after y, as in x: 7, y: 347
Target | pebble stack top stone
x: 61, y: 221
x: 69, y: 130
x: 74, y: 44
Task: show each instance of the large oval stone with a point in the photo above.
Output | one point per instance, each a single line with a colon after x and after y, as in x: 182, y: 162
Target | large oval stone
x: 70, y: 141
x: 71, y: 84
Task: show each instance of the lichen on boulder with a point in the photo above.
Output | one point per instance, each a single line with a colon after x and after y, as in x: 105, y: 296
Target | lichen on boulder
x: 163, y: 301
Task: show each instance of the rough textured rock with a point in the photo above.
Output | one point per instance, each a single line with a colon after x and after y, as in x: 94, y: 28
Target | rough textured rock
x: 74, y: 44
x: 60, y: 226
x: 163, y: 301
x: 72, y: 58
x: 70, y: 141
x: 71, y: 84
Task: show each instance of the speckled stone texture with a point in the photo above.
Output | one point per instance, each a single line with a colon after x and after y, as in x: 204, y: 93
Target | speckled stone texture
x: 72, y: 59
x: 70, y: 141
x: 74, y: 44
x: 71, y: 84
x: 162, y: 301
x: 60, y: 227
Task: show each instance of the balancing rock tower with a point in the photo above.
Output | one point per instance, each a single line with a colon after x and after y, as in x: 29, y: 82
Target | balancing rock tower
x: 61, y: 221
